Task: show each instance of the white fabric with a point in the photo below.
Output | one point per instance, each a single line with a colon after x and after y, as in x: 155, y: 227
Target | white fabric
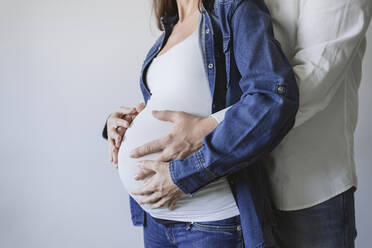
x: 325, y: 42
x: 177, y: 81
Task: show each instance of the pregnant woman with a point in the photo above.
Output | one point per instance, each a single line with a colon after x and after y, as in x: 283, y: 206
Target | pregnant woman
x: 210, y: 52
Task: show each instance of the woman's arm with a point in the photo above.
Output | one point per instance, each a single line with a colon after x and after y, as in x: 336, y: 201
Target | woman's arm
x: 263, y: 115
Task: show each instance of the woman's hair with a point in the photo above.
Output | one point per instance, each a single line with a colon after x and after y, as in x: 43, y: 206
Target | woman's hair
x: 169, y: 7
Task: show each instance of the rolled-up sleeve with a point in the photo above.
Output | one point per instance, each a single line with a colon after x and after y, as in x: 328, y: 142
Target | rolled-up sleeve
x: 260, y: 119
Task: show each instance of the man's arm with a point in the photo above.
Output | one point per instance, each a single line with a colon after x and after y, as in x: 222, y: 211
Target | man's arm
x: 328, y: 36
x: 262, y: 116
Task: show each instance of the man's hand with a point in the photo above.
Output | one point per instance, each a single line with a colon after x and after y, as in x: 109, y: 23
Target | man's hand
x: 117, y: 124
x: 159, y: 188
x: 185, y: 138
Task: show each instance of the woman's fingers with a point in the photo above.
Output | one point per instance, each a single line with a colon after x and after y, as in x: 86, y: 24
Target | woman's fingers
x: 113, y: 151
x: 115, y: 155
x: 119, y: 122
x: 111, y: 145
x: 113, y: 134
x: 117, y: 130
x: 140, y: 106
x: 129, y: 118
x: 125, y: 110
x: 120, y: 137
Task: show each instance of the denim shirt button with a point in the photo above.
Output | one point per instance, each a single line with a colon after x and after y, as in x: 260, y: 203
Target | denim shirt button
x: 207, y: 31
x: 210, y: 66
x: 281, y: 89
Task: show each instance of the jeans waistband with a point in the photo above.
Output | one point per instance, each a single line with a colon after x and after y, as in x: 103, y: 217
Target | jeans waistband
x: 168, y: 222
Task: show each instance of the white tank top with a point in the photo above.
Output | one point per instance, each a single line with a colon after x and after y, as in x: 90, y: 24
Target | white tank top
x: 178, y: 81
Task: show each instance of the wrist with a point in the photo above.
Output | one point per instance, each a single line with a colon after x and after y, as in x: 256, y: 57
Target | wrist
x: 209, y: 124
x: 202, y: 126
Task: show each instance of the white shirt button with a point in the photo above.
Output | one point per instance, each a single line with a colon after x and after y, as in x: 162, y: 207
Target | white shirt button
x: 210, y: 66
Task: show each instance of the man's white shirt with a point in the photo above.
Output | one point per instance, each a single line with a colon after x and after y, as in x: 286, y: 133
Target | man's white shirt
x: 325, y: 42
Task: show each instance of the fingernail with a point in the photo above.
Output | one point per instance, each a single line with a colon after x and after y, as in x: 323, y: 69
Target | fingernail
x: 136, y: 177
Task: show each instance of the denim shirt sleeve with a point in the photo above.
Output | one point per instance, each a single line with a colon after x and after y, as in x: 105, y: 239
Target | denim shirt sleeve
x: 261, y: 118
x: 104, y: 131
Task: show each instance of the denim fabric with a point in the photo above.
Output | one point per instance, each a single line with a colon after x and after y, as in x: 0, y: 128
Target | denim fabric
x: 248, y: 71
x: 330, y: 224
x: 224, y: 233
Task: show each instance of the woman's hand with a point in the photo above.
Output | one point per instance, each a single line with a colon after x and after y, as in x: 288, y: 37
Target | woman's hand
x: 159, y: 188
x: 117, y: 124
x: 185, y: 138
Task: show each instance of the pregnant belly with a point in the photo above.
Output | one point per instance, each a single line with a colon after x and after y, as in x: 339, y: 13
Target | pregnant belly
x: 143, y: 129
x: 215, y: 198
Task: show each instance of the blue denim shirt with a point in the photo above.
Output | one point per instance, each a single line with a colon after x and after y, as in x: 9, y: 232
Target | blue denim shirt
x: 248, y: 71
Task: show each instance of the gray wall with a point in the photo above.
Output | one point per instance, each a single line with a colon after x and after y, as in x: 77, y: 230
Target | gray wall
x: 64, y: 66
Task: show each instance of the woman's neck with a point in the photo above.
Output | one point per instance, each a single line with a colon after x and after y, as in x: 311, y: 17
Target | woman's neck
x: 186, y: 9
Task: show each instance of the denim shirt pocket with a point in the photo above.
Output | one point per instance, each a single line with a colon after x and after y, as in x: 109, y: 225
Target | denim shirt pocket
x: 226, y: 50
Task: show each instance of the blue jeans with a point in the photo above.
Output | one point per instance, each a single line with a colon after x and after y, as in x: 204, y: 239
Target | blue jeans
x: 224, y: 233
x: 330, y: 224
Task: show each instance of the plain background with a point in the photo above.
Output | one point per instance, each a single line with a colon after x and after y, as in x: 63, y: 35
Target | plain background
x: 64, y: 66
